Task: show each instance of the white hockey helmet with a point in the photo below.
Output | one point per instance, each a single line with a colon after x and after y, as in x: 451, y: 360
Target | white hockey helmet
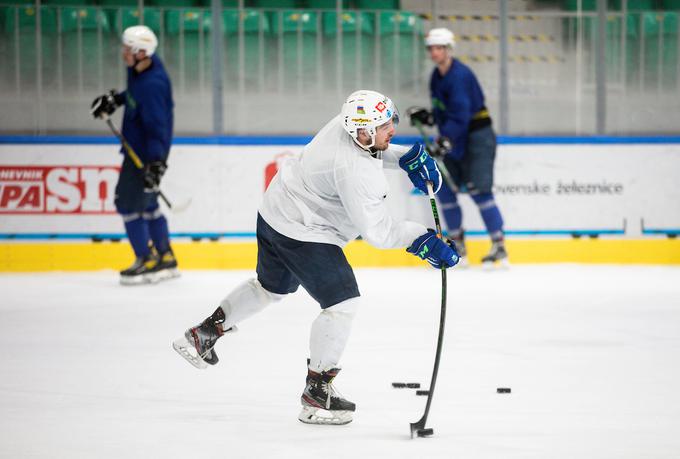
x: 365, y: 109
x: 140, y: 38
x: 440, y: 37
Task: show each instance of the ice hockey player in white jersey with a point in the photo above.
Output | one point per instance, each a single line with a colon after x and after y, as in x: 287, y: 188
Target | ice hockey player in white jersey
x: 314, y: 206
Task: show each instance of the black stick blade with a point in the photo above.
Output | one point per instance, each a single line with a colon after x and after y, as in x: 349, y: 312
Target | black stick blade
x: 416, y: 426
x: 425, y: 432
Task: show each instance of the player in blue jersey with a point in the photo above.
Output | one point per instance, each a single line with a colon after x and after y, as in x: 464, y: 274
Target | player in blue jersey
x: 147, y: 127
x: 466, y: 143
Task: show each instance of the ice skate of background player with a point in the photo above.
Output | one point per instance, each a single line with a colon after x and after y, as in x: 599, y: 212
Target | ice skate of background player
x: 147, y: 127
x: 467, y: 142
x: 317, y: 203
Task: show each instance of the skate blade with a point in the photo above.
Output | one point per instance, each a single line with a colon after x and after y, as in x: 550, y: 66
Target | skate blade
x: 142, y: 279
x: 188, y: 352
x: 313, y: 415
x: 166, y: 274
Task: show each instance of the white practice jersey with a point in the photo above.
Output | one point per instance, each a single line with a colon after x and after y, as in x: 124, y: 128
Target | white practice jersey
x: 335, y: 191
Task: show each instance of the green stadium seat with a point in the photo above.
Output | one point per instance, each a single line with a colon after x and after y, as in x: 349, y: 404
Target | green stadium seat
x: 591, y: 5
x: 357, y: 47
x: 68, y: 2
x: 586, y: 5
x: 402, y: 49
x: 173, y: 3
x: 225, y: 3
x: 85, y: 19
x: 269, y: 4
x: 26, y: 17
x: 118, y: 3
x: 187, y: 20
x: 187, y: 47
x: 325, y: 4
x: 254, y: 44
x: 253, y: 21
x: 654, y: 22
x: 291, y: 21
x: 633, y: 5
x: 85, y: 40
x: 297, y: 31
x: 19, y: 29
x: 660, y: 47
x: 670, y: 5
x: 377, y: 4
x: 128, y: 17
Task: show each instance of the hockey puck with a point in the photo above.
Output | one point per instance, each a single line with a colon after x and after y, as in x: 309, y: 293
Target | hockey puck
x: 425, y: 432
x: 503, y: 390
x: 398, y: 385
x: 413, y: 385
x: 422, y: 392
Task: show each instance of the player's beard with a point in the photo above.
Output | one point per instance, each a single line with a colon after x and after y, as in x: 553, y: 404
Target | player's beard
x: 383, y: 146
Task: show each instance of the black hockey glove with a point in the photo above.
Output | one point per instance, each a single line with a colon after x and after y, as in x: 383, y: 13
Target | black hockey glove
x: 106, y: 104
x: 440, y: 148
x: 420, y: 114
x: 153, y: 172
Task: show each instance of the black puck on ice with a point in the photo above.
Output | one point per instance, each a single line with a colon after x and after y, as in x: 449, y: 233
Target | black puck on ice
x: 410, y: 385
x: 422, y: 392
x: 503, y: 390
x: 425, y: 432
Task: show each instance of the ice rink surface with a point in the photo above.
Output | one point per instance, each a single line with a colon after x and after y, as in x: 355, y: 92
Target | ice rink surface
x: 592, y: 354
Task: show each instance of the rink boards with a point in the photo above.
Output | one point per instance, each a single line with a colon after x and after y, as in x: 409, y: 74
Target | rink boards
x: 563, y: 200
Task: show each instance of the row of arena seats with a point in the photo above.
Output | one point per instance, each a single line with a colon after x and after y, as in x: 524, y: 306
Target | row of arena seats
x: 631, y: 5
x: 285, y: 4
x: 282, y: 49
x: 175, y: 21
x: 646, y: 48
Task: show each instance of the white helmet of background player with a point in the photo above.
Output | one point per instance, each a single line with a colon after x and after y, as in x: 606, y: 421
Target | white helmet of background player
x: 365, y: 109
x: 140, y: 38
x: 440, y: 37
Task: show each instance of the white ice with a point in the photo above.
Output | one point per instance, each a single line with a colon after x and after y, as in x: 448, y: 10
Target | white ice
x: 592, y: 354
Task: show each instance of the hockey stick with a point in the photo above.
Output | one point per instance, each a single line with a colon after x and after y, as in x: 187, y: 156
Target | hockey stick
x: 418, y: 427
x: 440, y: 164
x: 139, y: 165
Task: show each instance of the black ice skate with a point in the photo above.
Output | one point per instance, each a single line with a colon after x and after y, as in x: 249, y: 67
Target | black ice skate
x: 166, y: 268
x: 497, y: 256
x: 141, y: 272
x: 321, y: 403
x: 196, y: 346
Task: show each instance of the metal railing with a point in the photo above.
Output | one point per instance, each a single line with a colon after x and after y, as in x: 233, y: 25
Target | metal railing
x: 286, y: 74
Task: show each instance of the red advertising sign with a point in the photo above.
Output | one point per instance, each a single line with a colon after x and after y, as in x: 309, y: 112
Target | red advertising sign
x: 57, y: 189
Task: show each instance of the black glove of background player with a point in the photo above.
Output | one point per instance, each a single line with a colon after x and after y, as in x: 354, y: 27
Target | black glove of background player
x: 440, y: 147
x: 420, y: 114
x: 153, y: 172
x: 106, y: 104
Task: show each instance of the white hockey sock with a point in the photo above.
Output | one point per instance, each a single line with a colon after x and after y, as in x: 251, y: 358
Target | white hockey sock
x: 246, y: 300
x: 330, y: 332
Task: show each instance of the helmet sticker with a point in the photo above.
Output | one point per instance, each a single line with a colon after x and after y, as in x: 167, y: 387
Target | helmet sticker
x: 380, y: 107
x: 360, y: 110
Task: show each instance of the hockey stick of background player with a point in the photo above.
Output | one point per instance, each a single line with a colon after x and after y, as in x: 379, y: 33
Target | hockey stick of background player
x: 137, y: 161
x: 418, y: 428
x: 440, y: 164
